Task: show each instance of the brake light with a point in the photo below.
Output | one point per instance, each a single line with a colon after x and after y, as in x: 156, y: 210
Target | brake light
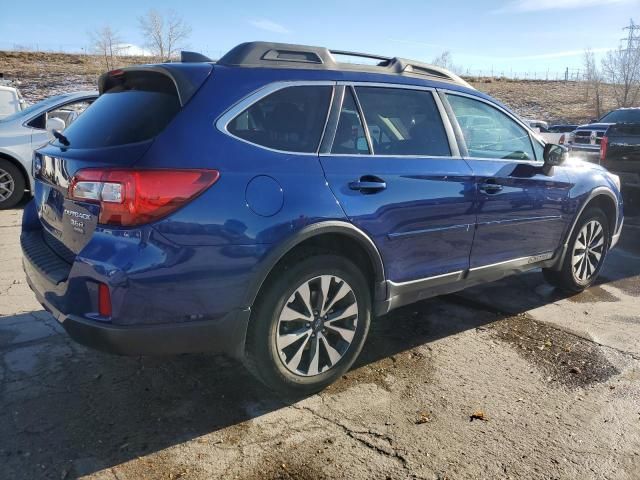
x: 130, y: 197
x: 561, y: 141
x: 604, y: 145
x: 104, y: 300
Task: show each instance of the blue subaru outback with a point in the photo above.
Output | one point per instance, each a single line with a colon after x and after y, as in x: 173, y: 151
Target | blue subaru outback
x: 269, y: 205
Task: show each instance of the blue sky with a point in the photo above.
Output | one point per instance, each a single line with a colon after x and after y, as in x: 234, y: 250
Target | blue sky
x: 516, y: 35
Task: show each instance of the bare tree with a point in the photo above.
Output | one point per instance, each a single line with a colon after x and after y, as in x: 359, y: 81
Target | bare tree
x: 621, y: 68
x: 106, y: 42
x: 593, y: 78
x: 444, y: 60
x: 164, y: 34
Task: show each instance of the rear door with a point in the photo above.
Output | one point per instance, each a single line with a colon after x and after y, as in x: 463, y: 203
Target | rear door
x: 393, y: 165
x: 519, y: 208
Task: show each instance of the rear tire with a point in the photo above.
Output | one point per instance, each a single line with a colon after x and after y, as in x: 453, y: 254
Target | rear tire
x: 588, y: 247
x: 12, y: 184
x: 295, y: 351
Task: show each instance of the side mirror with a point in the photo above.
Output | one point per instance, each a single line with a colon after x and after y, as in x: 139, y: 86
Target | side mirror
x: 554, y: 155
x: 55, y: 123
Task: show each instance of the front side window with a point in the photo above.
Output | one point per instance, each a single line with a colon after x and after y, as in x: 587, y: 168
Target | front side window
x: 403, y: 122
x: 350, y: 138
x: 291, y: 119
x: 488, y: 132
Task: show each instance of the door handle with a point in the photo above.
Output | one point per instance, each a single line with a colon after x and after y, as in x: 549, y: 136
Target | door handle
x: 490, y: 187
x: 368, y: 184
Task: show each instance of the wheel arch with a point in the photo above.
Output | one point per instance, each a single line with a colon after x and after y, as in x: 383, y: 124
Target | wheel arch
x: 603, y: 198
x: 339, y: 236
x: 14, y: 161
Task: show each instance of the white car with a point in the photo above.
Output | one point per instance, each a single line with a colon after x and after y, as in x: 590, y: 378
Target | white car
x: 557, y: 134
x: 26, y: 130
x: 11, y: 100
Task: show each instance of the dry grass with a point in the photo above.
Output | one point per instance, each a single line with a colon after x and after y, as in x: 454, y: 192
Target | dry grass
x: 44, y: 74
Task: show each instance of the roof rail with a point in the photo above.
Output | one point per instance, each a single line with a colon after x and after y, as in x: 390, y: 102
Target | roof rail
x: 285, y: 55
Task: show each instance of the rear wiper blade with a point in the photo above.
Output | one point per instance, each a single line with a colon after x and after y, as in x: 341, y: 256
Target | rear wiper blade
x: 61, y: 138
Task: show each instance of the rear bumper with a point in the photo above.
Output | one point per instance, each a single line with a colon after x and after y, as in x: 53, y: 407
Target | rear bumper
x: 64, y: 295
x: 225, y: 335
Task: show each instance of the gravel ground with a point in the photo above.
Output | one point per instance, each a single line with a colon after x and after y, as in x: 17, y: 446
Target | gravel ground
x: 509, y: 380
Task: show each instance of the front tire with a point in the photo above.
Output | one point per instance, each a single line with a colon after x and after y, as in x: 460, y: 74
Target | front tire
x: 12, y: 185
x: 588, y: 247
x: 309, y: 323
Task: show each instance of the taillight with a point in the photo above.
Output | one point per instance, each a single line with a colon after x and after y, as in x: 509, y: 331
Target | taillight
x: 135, y: 197
x: 561, y: 141
x: 604, y: 145
x: 104, y: 300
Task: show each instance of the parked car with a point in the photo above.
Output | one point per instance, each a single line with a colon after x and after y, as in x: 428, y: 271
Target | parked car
x: 269, y: 205
x: 11, y: 100
x: 557, y: 134
x: 28, y: 129
x: 620, y: 153
x: 585, y: 141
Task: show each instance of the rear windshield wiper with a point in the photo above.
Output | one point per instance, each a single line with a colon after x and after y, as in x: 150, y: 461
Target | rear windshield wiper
x: 61, y: 138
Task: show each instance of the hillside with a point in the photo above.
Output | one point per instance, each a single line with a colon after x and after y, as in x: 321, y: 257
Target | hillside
x: 43, y: 74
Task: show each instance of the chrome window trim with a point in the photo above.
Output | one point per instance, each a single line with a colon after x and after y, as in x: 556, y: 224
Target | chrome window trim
x: 367, y: 134
x: 222, y: 122
x: 527, y: 129
x: 332, y: 120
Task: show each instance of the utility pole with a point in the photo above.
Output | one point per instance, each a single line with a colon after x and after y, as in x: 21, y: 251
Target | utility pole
x: 632, y: 40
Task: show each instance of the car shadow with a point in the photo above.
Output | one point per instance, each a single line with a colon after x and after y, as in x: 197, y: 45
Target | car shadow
x: 79, y: 411
x: 67, y: 411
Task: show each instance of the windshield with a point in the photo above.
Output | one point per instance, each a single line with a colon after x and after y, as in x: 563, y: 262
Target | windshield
x: 35, y: 107
x: 622, y: 116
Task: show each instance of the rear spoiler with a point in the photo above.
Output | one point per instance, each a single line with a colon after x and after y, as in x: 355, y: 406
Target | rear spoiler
x: 187, y: 77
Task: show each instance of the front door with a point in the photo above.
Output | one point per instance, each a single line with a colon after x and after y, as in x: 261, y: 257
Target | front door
x: 399, y: 182
x: 519, y: 208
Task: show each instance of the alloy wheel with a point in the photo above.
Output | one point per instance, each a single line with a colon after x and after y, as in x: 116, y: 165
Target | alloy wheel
x: 588, y: 251
x: 7, y: 185
x: 317, y: 325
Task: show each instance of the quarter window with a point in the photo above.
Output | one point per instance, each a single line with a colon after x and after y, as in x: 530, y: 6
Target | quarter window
x: 488, y: 132
x: 291, y: 119
x: 403, y: 122
x: 350, y: 138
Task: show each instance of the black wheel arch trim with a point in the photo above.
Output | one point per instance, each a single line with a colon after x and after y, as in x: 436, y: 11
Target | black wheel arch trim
x: 310, y: 231
x: 596, y: 192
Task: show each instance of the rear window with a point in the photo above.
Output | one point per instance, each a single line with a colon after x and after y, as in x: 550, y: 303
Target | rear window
x: 291, y: 119
x: 622, y: 116
x: 137, y: 107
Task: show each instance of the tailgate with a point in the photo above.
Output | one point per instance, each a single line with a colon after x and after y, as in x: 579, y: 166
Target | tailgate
x: 623, y: 150
x: 134, y: 107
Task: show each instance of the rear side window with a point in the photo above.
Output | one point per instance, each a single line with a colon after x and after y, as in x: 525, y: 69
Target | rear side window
x: 137, y: 108
x: 291, y: 119
x: 403, y: 122
x: 350, y: 138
